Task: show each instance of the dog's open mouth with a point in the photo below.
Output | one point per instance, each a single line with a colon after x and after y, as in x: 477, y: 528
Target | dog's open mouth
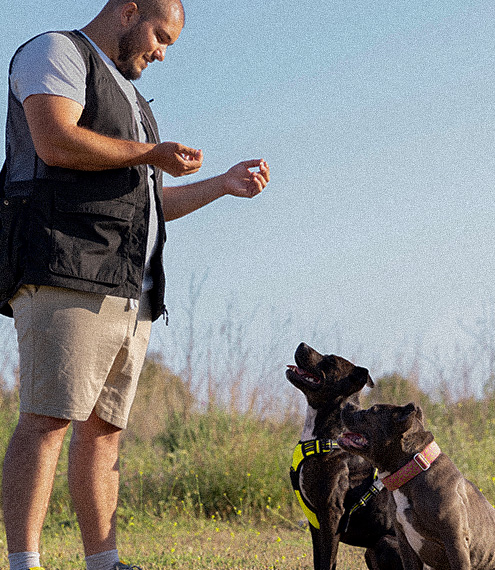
x: 350, y: 439
x: 302, y: 375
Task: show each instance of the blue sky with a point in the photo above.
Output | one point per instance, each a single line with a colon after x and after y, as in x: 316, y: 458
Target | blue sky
x: 377, y: 233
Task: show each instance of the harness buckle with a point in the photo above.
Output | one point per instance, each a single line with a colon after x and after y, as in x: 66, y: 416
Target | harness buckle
x: 422, y: 462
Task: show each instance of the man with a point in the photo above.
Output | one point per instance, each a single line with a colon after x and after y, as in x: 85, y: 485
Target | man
x: 81, y: 234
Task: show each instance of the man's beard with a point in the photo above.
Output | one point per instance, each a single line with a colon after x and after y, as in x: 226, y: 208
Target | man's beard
x: 128, y: 51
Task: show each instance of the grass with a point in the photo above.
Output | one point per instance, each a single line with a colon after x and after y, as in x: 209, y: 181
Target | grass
x: 201, y: 544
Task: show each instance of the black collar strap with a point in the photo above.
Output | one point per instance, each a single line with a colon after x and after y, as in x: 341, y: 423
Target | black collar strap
x: 375, y: 488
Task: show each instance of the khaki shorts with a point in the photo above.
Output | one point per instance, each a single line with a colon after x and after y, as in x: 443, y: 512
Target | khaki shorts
x: 79, y: 352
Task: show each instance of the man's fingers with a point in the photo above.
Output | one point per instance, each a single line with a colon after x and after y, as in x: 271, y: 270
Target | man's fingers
x: 262, y: 177
x: 186, y: 171
x: 254, y: 163
x: 265, y: 171
x: 191, y: 154
x: 190, y: 161
x: 242, y: 182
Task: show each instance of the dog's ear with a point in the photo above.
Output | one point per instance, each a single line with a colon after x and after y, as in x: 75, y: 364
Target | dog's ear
x: 369, y: 380
x: 419, y: 414
x: 363, y: 375
x: 412, y: 439
x: 407, y: 417
x: 418, y: 411
x: 406, y: 414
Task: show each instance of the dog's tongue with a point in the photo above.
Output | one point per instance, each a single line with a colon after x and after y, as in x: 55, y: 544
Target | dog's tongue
x: 351, y: 435
x: 351, y: 438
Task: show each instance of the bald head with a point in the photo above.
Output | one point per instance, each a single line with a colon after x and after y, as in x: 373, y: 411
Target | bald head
x: 149, y: 9
x: 161, y: 8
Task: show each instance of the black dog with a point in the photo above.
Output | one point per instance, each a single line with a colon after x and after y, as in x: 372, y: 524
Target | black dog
x: 338, y: 491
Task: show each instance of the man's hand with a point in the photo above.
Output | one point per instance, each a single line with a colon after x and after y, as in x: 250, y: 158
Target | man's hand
x: 60, y: 141
x: 244, y: 183
x: 238, y: 181
x: 175, y: 159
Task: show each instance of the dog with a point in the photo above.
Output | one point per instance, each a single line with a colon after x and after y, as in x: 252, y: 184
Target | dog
x: 335, y: 488
x: 442, y: 520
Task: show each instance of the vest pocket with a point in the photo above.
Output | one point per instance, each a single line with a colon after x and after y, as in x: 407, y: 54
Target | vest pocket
x: 90, y: 240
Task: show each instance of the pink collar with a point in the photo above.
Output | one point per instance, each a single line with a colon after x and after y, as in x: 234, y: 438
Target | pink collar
x: 420, y: 462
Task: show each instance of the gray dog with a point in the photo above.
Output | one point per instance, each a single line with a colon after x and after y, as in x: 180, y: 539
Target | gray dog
x: 442, y: 520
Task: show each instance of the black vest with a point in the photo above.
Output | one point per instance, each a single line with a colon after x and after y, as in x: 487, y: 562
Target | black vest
x: 76, y: 229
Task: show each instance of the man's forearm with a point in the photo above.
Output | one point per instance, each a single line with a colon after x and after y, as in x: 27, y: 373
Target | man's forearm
x: 179, y: 201
x: 85, y: 150
x: 237, y: 181
x: 81, y: 149
x: 60, y: 141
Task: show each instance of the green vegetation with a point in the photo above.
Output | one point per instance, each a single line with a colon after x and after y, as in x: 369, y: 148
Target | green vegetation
x: 194, y: 544
x: 204, y: 486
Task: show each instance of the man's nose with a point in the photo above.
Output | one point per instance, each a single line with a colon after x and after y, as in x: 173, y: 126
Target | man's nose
x: 159, y: 53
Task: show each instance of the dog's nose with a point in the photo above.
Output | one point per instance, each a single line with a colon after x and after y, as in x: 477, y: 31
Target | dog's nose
x: 301, y: 350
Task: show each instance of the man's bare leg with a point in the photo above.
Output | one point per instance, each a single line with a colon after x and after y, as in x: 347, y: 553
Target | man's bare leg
x: 94, y: 482
x: 28, y: 474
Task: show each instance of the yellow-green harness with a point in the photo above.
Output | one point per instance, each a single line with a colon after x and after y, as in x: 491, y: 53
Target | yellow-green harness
x: 305, y: 449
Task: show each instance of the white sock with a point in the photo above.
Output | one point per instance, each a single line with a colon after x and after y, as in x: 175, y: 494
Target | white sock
x: 24, y: 560
x: 102, y: 560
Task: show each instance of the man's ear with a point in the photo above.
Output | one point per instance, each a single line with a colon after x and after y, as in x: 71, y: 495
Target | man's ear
x: 129, y: 14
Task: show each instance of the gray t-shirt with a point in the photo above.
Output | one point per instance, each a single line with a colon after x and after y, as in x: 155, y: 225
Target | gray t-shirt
x: 52, y: 65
